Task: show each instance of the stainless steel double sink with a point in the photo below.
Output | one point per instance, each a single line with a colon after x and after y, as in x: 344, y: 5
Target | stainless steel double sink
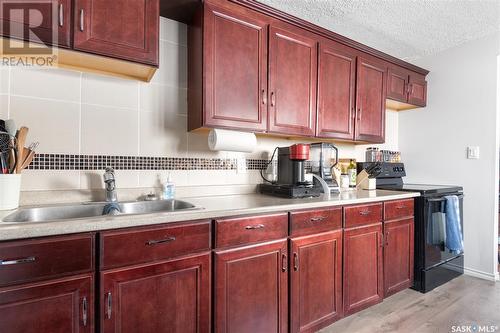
x: 89, y: 210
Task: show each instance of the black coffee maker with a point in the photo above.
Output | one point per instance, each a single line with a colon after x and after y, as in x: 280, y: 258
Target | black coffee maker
x: 291, y: 181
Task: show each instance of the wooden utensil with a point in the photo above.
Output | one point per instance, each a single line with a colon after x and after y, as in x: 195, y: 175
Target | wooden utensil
x: 29, y: 158
x: 21, y: 135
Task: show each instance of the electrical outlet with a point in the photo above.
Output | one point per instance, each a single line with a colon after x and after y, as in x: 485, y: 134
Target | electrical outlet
x: 473, y: 152
x: 241, y: 165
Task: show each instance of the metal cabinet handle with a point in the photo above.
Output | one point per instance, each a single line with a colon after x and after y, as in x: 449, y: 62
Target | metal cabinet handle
x: 387, y: 238
x: 82, y: 16
x: 264, y: 97
x: 84, y: 311
x: 381, y: 239
x: 253, y: 227
x: 411, y: 89
x: 364, y: 213
x: 160, y: 241
x: 317, y: 219
x: 283, y: 262
x: 109, y: 305
x: 273, y: 99
x: 360, y: 110
x: 295, y: 261
x: 400, y: 207
x: 61, y: 15
x: 17, y: 261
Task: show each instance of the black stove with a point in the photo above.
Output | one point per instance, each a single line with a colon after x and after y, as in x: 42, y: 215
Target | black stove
x: 423, y: 189
x: 434, y: 265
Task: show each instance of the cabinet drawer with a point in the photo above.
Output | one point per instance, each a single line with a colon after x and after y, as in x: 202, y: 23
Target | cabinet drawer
x: 363, y: 214
x: 394, y: 210
x: 122, y: 248
x: 237, y: 231
x: 314, y: 221
x: 45, y: 258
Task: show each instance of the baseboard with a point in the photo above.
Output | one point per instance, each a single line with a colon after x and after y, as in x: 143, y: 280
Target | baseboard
x: 481, y: 274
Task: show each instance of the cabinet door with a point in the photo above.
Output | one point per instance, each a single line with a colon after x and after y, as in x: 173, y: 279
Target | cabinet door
x: 417, y: 94
x: 316, y: 281
x: 172, y: 296
x: 397, y: 84
x: 398, y: 256
x: 293, y: 80
x: 42, y: 21
x: 126, y: 29
x: 55, y: 306
x: 336, y: 91
x: 251, y: 289
x: 370, y: 101
x: 235, y: 70
x: 363, y: 271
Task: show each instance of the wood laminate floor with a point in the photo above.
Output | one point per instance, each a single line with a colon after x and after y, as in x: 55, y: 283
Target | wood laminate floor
x: 463, y: 301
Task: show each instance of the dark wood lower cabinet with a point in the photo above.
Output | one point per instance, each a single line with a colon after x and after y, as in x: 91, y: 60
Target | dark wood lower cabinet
x: 170, y: 296
x: 316, y: 281
x: 363, y: 270
x: 54, y: 306
x: 398, y: 256
x: 251, y: 288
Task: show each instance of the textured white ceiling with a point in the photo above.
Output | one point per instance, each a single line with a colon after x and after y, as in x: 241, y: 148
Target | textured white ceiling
x: 406, y: 29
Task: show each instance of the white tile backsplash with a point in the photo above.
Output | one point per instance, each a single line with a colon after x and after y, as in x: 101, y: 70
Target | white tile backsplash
x: 82, y: 113
x: 55, y: 124
x: 4, y: 106
x: 163, y: 134
x: 34, y: 180
x: 107, y: 130
x: 4, y: 80
x: 50, y: 83
x: 108, y: 91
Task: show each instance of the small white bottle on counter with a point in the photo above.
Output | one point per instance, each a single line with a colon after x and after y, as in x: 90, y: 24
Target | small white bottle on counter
x: 168, y: 188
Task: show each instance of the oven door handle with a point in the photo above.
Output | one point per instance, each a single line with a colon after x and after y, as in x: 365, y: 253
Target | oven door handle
x: 443, y: 199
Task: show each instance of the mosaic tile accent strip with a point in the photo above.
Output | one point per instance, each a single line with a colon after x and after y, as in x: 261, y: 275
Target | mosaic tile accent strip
x: 100, y: 162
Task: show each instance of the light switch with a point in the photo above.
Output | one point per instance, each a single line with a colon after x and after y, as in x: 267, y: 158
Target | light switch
x: 473, y: 152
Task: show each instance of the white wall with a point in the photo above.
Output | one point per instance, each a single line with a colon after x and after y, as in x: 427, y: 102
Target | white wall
x: 461, y: 111
x: 79, y: 113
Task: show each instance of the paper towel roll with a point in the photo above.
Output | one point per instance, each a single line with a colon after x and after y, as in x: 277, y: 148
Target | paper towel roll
x: 220, y: 139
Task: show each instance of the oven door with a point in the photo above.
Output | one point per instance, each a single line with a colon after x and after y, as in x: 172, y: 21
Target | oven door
x: 435, y: 249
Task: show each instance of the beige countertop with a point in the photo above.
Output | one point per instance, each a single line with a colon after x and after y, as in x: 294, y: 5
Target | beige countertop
x: 212, y: 207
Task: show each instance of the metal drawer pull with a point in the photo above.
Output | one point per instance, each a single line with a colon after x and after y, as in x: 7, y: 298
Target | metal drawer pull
x: 400, y: 207
x: 61, y: 15
x: 264, y: 97
x: 273, y: 99
x: 253, y: 227
x: 295, y: 261
x: 364, y: 212
x: 17, y: 261
x: 160, y: 241
x: 84, y: 311
x: 82, y: 16
x: 109, y: 305
x: 283, y: 262
x: 387, y: 238
x: 317, y: 219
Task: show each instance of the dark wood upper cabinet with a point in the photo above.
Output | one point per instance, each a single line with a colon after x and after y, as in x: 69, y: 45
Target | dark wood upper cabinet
x: 370, y: 100
x: 56, y: 306
x: 417, y: 90
x: 251, y: 288
x: 336, y: 91
x: 126, y: 29
x: 397, y: 84
x: 316, y: 281
x: 38, y: 21
x: 235, y: 70
x: 292, y: 82
x: 398, y: 256
x: 363, y: 268
x: 172, y: 296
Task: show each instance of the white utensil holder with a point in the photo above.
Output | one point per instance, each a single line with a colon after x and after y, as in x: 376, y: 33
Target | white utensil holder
x: 10, y: 190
